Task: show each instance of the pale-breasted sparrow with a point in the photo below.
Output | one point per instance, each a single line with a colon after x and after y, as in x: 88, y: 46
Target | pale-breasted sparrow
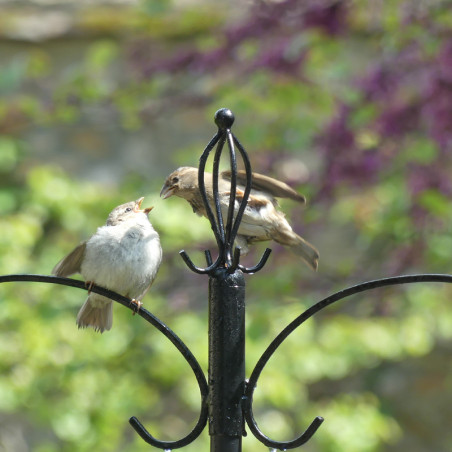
x: 123, y: 256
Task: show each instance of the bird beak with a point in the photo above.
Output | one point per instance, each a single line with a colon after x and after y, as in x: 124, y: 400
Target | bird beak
x: 166, y: 191
x: 138, y: 206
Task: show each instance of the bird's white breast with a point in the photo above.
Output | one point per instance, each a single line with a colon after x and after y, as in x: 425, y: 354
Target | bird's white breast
x: 123, y: 258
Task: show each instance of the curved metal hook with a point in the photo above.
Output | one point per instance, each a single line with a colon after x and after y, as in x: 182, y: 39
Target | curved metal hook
x: 194, y: 268
x: 260, y: 264
x: 208, y: 257
x: 170, y: 445
x: 235, y: 261
x: 202, y: 383
x: 157, y: 323
x: 249, y: 391
x: 282, y: 445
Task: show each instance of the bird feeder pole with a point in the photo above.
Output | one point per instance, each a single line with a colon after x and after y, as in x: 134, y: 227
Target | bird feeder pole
x: 226, y: 376
x: 226, y: 397
x: 226, y: 373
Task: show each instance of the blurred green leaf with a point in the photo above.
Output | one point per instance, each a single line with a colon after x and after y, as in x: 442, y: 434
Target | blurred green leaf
x: 100, y: 55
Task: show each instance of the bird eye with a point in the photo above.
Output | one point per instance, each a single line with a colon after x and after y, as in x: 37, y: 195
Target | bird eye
x: 175, y: 180
x: 129, y: 209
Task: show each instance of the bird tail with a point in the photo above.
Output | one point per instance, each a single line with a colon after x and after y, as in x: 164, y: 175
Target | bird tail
x: 299, y: 247
x: 307, y: 252
x: 97, y: 314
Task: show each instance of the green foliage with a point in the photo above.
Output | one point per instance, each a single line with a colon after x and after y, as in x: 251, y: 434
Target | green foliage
x: 70, y: 390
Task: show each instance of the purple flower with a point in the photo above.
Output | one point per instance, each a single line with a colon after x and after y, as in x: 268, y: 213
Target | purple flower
x: 379, y: 84
x: 337, y: 136
x: 279, y: 59
x: 429, y: 177
x: 344, y: 161
x: 331, y: 17
x: 437, y: 98
x: 397, y: 120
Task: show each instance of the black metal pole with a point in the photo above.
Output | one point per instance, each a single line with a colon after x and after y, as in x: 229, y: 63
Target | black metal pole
x: 226, y: 360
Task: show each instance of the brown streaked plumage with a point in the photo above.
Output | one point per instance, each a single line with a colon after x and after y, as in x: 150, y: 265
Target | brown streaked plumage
x: 262, y: 220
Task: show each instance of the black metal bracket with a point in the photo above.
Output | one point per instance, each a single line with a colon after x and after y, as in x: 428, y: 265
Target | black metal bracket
x: 160, y: 326
x: 224, y: 234
x: 226, y: 397
x: 263, y: 360
x: 250, y: 386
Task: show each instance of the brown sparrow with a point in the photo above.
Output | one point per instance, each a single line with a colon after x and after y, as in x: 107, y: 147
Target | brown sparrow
x: 261, y: 219
x: 123, y: 256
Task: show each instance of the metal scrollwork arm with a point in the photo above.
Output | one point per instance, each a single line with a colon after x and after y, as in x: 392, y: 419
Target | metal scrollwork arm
x: 251, y: 386
x: 164, y: 329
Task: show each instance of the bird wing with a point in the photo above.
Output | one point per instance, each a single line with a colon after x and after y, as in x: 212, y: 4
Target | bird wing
x: 71, y: 263
x: 257, y: 216
x: 266, y: 184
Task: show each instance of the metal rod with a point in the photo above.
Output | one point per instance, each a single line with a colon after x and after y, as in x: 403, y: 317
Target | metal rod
x: 164, y: 329
x: 342, y: 294
x: 232, y: 195
x: 226, y: 360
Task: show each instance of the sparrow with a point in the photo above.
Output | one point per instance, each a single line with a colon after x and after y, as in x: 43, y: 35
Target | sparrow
x: 124, y: 256
x: 262, y: 220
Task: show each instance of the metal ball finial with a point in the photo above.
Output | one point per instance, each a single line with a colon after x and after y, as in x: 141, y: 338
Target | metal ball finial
x: 224, y: 118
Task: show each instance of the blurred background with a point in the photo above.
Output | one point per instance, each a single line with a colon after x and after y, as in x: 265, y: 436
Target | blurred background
x: 350, y: 102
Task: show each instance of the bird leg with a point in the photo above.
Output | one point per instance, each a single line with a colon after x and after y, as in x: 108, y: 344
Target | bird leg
x: 89, y: 285
x: 136, y: 305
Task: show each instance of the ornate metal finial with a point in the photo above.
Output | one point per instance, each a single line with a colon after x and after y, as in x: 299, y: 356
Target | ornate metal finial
x: 224, y: 118
x: 225, y: 233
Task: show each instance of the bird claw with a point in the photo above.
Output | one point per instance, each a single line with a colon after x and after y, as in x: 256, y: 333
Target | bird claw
x: 89, y: 285
x: 136, y: 304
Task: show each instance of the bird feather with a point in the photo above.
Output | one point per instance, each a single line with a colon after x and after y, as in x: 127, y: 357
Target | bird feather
x: 267, y: 184
x: 71, y: 263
